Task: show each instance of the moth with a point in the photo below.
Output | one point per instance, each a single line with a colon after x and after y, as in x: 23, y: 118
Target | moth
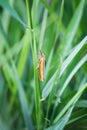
x: 41, y: 66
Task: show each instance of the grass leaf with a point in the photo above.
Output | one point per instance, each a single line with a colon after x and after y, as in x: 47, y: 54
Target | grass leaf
x: 52, y: 81
x: 62, y: 122
x: 72, y: 55
x: 82, y: 104
x: 5, y: 4
x: 71, y: 31
x: 72, y: 101
x: 81, y: 62
x: 24, y: 104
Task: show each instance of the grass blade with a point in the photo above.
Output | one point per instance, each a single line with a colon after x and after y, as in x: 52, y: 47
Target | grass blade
x: 72, y: 101
x: 72, y: 55
x: 43, y: 27
x: 77, y: 118
x: 24, y: 53
x: 13, y: 12
x: 62, y: 122
x: 54, y: 79
x: 71, y: 31
x: 24, y: 106
x: 32, y: 23
x: 65, y: 64
x: 81, y: 62
x: 82, y: 104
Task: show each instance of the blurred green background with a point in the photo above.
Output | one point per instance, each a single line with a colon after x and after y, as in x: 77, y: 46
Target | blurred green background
x: 58, y: 28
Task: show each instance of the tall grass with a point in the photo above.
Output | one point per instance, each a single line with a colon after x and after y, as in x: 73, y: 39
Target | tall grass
x: 57, y: 28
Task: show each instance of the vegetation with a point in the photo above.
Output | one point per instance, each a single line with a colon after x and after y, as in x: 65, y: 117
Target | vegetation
x: 56, y: 28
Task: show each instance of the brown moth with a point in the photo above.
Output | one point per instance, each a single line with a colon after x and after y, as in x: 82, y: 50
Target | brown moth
x: 41, y: 66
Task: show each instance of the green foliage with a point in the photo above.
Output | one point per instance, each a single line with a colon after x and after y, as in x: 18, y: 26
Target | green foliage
x: 57, y: 29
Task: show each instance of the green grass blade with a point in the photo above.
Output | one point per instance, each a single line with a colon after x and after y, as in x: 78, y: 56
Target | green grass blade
x: 72, y: 55
x: 22, y: 60
x: 48, y: 64
x: 77, y: 67
x: 77, y: 118
x: 82, y: 104
x: 71, y: 102
x: 12, y: 51
x: 34, y: 12
x: 62, y: 122
x: 3, y: 32
x: 48, y: 86
x: 43, y: 27
x: 50, y: 89
x: 13, y: 12
x: 77, y: 115
x: 8, y: 78
x: 52, y: 81
x: 47, y: 89
x: 24, y: 106
x: 71, y: 31
x: 32, y: 22
x: 36, y: 84
x: 60, y: 20
x: 44, y: 3
x: 24, y: 53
